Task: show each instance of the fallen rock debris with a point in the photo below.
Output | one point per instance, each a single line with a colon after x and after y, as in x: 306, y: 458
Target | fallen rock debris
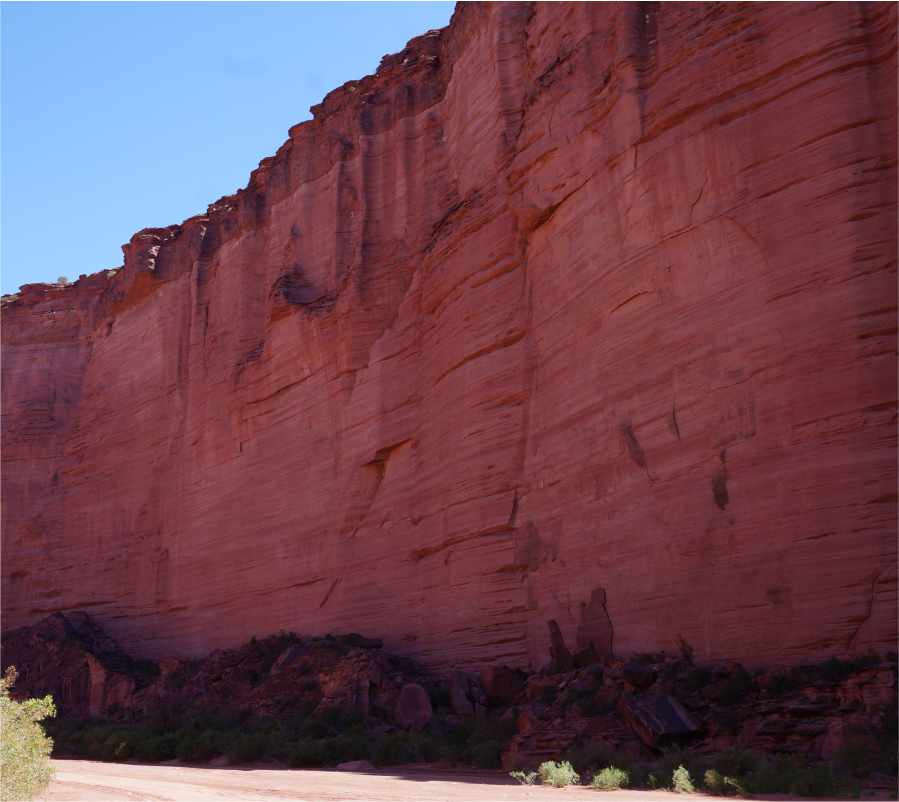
x: 640, y: 705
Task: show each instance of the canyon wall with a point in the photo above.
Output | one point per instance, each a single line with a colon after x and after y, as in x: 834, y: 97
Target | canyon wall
x: 582, y: 312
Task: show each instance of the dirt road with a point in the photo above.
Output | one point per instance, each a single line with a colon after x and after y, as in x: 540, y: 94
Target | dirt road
x: 86, y: 781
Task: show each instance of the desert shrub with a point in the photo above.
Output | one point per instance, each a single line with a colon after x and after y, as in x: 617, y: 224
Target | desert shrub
x: 611, y: 778
x: 658, y: 780
x: 486, y: 755
x: 821, y: 781
x: 721, y: 785
x: 681, y: 782
x: 591, y: 759
x: 198, y: 747
x: 736, y: 762
x: 25, y: 769
x: 889, y: 757
x: 484, y: 741
x: 405, y: 747
x: 858, y: 760
x: 524, y: 779
x: 783, y: 682
x: 676, y: 757
x: 558, y: 775
x: 789, y: 774
x: 685, y: 649
x: 834, y: 669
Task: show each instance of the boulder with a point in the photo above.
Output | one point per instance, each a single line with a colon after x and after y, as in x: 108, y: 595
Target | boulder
x: 385, y: 703
x: 461, y: 703
x: 549, y: 669
x: 538, y: 685
x: 378, y: 678
x: 501, y: 685
x: 729, y: 668
x: 530, y: 749
x: 658, y: 719
x: 413, y: 709
x: 458, y: 680
x: 606, y: 698
x: 531, y: 714
x: 586, y: 657
x: 638, y: 675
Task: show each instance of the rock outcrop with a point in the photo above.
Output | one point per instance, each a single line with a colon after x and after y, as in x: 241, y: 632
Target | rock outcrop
x: 578, y: 313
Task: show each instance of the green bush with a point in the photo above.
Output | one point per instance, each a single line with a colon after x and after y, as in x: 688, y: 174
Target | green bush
x: 524, y: 779
x: 736, y: 762
x: 681, y: 781
x: 721, y: 785
x: 405, y: 747
x: 591, y: 759
x: 789, y: 774
x: 820, y: 781
x: 486, y: 755
x: 676, y: 757
x: 858, y: 760
x: 611, y: 778
x: 558, y: 775
x: 25, y: 769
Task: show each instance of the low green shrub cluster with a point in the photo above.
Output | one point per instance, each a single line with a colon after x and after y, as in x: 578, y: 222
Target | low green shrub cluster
x: 733, y: 772
x: 611, y: 778
x: 558, y: 775
x: 321, y: 739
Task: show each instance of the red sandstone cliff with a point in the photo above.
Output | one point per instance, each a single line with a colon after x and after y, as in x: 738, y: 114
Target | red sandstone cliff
x: 579, y: 312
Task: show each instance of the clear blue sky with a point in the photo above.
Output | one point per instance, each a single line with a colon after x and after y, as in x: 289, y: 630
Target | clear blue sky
x: 120, y: 116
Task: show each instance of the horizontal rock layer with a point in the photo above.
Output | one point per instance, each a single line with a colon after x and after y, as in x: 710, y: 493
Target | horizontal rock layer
x: 583, y: 313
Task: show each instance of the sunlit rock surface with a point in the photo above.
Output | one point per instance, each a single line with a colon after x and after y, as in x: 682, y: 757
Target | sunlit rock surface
x: 583, y: 313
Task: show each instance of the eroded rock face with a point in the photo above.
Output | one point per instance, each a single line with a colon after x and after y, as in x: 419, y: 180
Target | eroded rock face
x: 580, y: 313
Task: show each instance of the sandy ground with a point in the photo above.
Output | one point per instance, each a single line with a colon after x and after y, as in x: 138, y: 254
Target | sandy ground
x: 87, y: 781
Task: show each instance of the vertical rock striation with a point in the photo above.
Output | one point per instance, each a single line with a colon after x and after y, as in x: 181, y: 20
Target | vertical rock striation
x: 572, y: 312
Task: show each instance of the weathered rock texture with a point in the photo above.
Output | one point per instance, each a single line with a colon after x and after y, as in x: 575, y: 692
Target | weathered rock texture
x: 583, y: 313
